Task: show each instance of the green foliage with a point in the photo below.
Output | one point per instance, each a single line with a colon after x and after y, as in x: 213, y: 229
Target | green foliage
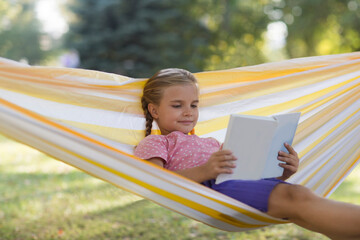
x: 239, y: 26
x: 138, y: 37
x: 317, y: 27
x: 19, y: 31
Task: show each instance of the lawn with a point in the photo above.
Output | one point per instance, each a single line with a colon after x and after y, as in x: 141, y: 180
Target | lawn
x: 41, y: 198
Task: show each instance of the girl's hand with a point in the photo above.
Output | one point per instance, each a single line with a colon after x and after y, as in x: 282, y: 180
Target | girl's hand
x: 219, y: 162
x: 291, y: 162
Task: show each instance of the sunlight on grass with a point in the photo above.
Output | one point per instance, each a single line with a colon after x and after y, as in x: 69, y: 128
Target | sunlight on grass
x: 34, y: 170
x: 349, y: 190
x: 41, y: 198
x: 20, y: 158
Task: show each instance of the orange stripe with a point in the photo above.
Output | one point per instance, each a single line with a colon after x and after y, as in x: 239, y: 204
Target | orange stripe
x: 62, y: 128
x: 35, y: 77
x: 325, y: 114
x: 322, y: 137
x: 343, y: 175
x: 71, y: 96
x: 282, y: 84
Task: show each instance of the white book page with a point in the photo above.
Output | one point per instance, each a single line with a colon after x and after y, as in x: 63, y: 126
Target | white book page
x: 256, y: 141
x: 287, y: 124
x: 249, y: 138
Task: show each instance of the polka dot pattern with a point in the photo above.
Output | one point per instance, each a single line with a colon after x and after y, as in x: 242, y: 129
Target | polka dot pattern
x: 178, y: 150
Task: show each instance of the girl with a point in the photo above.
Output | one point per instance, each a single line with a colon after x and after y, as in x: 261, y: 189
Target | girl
x: 170, y: 98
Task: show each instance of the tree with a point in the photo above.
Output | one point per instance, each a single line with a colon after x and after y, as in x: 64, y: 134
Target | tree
x: 137, y: 38
x: 20, y: 36
x: 240, y: 28
x: 317, y: 27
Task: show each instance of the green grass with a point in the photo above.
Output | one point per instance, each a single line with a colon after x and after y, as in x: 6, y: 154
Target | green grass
x: 41, y: 198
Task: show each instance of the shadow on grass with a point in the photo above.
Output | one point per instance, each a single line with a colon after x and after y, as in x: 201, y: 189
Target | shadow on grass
x: 31, y: 204
x: 137, y: 220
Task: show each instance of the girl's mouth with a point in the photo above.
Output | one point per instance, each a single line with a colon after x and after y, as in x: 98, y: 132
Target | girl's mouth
x: 186, y: 122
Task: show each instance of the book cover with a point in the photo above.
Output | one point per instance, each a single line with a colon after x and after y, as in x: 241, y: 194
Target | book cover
x: 256, y: 141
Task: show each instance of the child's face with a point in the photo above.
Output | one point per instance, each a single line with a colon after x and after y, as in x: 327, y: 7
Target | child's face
x: 178, y: 109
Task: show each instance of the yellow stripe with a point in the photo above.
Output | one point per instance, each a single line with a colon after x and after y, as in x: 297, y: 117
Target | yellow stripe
x: 283, y: 84
x: 71, y: 96
x: 321, y: 151
x: 335, y: 168
x: 121, y: 135
x: 231, y: 76
x: 56, y: 73
x: 317, y: 120
x: 323, y: 136
x: 345, y: 172
x: 220, y: 123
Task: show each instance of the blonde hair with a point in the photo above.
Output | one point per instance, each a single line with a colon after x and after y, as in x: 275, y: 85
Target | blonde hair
x: 154, y: 87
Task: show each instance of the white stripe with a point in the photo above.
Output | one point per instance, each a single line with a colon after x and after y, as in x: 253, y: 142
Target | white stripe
x: 75, y: 113
x: 323, y: 158
x: 331, y: 123
x: 220, y: 87
x: 341, y: 180
x: 126, y: 98
x: 208, y: 113
x: 116, y: 79
x: 338, y: 156
x: 13, y: 63
x: 328, y: 103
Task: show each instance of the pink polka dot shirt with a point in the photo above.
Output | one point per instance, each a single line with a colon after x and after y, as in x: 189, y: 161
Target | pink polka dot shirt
x: 178, y: 150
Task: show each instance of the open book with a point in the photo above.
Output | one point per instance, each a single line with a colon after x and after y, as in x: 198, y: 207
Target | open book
x: 255, y: 141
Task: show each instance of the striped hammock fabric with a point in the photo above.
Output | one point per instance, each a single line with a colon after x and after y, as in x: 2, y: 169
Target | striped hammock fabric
x: 92, y: 120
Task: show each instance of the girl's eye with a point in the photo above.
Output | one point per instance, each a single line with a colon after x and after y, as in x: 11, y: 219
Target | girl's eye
x: 194, y: 106
x: 176, y: 106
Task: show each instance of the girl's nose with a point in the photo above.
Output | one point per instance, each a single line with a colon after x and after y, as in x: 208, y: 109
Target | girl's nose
x: 187, y: 112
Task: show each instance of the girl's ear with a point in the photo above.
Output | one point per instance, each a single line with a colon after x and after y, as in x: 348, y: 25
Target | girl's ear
x: 152, y: 108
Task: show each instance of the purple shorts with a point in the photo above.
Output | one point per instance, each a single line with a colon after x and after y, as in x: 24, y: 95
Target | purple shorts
x: 254, y: 193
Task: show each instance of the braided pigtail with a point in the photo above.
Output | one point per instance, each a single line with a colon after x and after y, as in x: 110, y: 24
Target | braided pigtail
x: 148, y: 117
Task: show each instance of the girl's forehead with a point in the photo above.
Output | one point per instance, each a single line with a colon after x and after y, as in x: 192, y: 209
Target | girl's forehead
x: 183, y: 90
x: 181, y: 87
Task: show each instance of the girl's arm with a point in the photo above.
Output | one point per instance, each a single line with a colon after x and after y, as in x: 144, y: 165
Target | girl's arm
x: 219, y: 162
x: 196, y: 174
x: 157, y: 161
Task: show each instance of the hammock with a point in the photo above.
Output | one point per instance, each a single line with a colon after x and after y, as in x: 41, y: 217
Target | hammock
x: 92, y: 120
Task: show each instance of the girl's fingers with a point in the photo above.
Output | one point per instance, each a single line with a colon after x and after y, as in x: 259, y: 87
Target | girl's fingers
x: 288, y: 161
x: 290, y: 149
x: 222, y: 152
x: 227, y: 157
x: 226, y: 167
x: 285, y: 159
x: 285, y: 154
x: 227, y: 164
x: 288, y: 167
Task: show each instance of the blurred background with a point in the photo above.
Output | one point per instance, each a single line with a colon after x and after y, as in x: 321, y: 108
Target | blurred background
x: 45, y: 199
x: 138, y: 37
